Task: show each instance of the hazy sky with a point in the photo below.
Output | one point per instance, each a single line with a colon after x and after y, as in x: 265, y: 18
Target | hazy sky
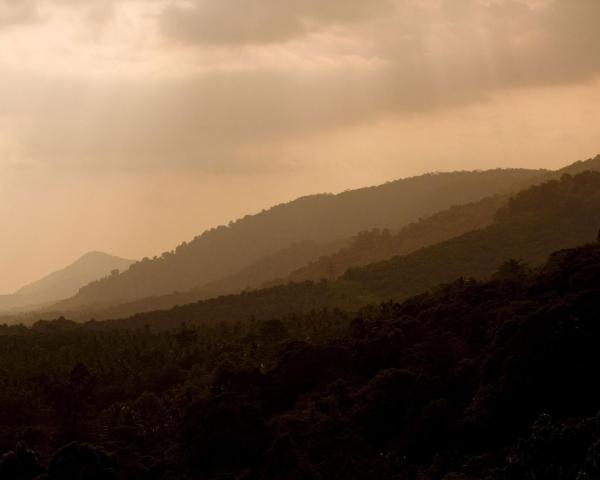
x: 129, y: 126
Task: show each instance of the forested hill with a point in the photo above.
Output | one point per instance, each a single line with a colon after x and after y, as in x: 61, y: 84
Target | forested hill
x: 552, y: 216
x: 225, y: 250
x: 377, y: 245
x: 311, y: 260
x: 555, y: 215
x: 474, y: 381
x: 381, y: 244
x: 364, y: 248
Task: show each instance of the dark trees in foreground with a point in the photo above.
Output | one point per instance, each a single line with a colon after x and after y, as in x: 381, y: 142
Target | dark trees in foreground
x: 494, y: 380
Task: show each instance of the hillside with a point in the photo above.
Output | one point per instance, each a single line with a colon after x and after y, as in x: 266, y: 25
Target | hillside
x: 309, y: 260
x: 555, y: 215
x: 317, y: 261
x: 474, y: 381
x: 269, y: 267
x: 377, y: 245
x: 224, y: 251
x: 66, y: 282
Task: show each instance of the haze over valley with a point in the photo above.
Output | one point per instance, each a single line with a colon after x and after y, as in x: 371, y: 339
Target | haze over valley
x: 299, y: 240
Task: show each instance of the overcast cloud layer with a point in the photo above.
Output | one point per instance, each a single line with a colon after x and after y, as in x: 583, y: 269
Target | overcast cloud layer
x: 158, y: 105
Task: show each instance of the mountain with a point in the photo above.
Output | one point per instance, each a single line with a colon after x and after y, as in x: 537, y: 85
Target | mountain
x: 535, y: 222
x: 377, y: 245
x: 221, y: 252
x: 472, y: 381
x: 313, y: 261
x: 65, y: 282
x: 316, y: 260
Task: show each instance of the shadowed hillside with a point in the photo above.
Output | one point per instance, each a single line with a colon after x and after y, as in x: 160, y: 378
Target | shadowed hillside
x: 474, y: 381
x: 269, y: 267
x: 557, y: 214
x: 225, y: 250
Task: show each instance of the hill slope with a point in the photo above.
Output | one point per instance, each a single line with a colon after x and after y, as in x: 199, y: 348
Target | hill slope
x: 476, y: 381
x: 65, y: 282
x: 558, y: 214
x: 378, y: 245
x: 223, y: 251
x: 317, y: 261
x: 374, y: 246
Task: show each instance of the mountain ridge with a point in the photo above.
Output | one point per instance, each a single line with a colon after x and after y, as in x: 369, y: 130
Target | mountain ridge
x: 64, y: 282
x: 222, y: 251
x: 437, y: 227
x: 556, y: 215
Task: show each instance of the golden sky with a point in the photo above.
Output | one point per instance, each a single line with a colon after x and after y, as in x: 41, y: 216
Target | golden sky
x: 128, y: 126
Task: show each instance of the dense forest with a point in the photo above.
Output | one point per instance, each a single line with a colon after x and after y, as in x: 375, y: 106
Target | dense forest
x: 223, y: 251
x: 474, y: 380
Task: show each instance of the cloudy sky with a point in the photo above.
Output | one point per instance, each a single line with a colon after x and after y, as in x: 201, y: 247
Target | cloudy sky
x: 129, y: 126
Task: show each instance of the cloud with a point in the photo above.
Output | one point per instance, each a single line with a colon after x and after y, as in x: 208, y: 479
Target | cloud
x: 202, y: 122
x: 196, y: 111
x: 18, y: 12
x: 237, y: 22
x: 281, y: 99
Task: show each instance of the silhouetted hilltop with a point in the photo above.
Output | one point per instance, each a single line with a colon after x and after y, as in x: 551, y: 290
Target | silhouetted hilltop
x: 579, y: 167
x: 471, y: 381
x: 65, y: 282
x: 555, y: 215
x: 377, y: 245
x: 223, y: 251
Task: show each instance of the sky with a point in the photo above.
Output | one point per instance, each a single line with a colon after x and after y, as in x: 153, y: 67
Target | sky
x: 129, y: 126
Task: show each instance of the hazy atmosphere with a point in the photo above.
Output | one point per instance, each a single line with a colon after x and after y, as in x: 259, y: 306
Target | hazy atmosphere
x: 130, y: 126
x: 299, y: 239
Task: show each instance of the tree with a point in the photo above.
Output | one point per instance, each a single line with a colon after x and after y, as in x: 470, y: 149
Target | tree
x: 512, y: 269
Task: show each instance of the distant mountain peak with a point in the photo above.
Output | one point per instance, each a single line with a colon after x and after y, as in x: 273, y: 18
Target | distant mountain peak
x: 96, y: 255
x: 65, y: 282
